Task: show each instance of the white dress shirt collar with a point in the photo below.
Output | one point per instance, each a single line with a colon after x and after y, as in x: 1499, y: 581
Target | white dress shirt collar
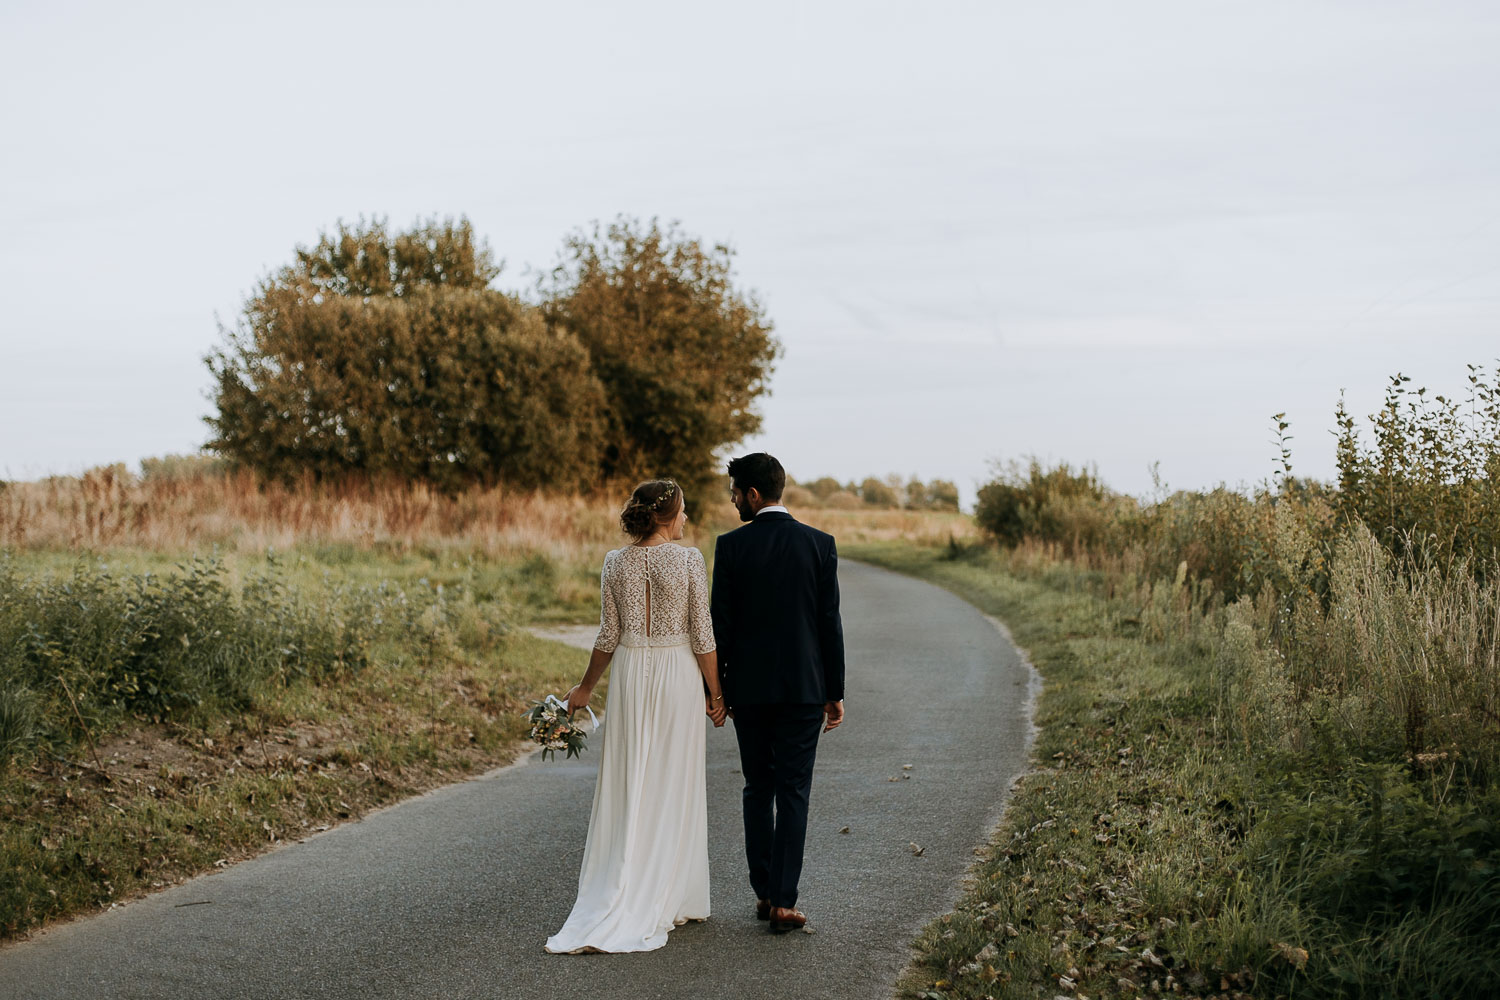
x: 770, y: 507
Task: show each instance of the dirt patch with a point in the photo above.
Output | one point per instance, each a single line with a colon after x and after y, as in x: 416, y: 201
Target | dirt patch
x: 155, y: 748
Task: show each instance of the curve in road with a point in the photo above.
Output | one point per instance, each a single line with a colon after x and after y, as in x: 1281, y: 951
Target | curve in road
x: 451, y: 893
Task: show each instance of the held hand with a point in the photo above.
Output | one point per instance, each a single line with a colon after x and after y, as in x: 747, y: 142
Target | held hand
x: 834, y: 712
x: 578, y: 697
x: 714, y: 709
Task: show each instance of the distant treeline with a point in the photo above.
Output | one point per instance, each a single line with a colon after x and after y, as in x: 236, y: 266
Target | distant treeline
x: 891, y: 493
x: 390, y: 355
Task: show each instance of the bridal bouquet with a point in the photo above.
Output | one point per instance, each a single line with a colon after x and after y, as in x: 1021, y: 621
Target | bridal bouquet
x: 554, y: 729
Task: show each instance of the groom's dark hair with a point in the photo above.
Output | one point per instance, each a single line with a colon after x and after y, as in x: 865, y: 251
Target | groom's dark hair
x: 760, y: 471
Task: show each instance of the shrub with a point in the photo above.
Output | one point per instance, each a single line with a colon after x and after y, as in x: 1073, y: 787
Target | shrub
x: 942, y: 495
x: 824, y: 487
x: 163, y: 646
x: 1430, y: 482
x: 797, y: 496
x: 877, y: 493
x: 391, y: 356
x: 1057, y: 505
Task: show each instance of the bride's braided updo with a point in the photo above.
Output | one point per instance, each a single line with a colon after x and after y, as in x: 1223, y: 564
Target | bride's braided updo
x: 654, y: 502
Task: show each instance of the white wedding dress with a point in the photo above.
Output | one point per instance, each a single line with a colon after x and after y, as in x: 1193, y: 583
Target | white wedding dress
x: 645, y: 861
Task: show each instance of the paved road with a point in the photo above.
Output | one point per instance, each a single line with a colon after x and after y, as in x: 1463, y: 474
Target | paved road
x: 451, y: 893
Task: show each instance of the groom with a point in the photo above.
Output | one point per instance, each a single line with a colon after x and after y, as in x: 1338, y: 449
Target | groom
x: 775, y: 610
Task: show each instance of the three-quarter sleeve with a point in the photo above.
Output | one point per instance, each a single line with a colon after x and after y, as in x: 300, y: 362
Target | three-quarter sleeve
x: 700, y: 622
x: 609, y: 613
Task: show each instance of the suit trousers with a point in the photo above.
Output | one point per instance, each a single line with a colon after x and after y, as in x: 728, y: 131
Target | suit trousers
x: 777, y: 747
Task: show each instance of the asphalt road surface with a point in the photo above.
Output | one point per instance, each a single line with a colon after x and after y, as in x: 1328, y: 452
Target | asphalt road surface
x: 452, y: 893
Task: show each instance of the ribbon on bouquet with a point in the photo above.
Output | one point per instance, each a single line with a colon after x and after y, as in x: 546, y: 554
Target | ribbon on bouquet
x: 556, y: 702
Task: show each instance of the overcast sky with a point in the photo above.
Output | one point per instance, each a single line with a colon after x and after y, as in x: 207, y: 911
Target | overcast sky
x: 1117, y: 233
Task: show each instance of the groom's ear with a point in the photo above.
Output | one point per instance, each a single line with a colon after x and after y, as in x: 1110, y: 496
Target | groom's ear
x: 753, y: 495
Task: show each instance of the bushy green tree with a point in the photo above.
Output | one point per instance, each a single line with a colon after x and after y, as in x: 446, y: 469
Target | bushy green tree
x: 878, y: 493
x: 1032, y: 502
x: 942, y: 495
x: 824, y: 487
x: 914, y: 495
x: 391, y: 355
x: 682, y: 353
x: 1427, y: 485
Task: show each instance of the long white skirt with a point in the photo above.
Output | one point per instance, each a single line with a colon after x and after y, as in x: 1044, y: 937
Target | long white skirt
x: 645, y: 861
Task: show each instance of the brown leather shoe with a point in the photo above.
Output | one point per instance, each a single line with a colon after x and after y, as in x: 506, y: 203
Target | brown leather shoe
x: 786, y: 918
x: 762, y: 909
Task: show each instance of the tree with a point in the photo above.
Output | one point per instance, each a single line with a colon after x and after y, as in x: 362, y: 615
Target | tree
x: 942, y: 494
x: 825, y: 487
x: 915, y: 495
x: 391, y: 355
x: 682, y: 353
x: 1038, y: 502
x: 878, y: 493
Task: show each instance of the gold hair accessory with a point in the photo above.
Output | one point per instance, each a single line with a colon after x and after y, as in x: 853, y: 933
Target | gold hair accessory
x: 671, y: 488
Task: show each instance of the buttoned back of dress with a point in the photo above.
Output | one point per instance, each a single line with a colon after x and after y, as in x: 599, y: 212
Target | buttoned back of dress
x: 672, y: 580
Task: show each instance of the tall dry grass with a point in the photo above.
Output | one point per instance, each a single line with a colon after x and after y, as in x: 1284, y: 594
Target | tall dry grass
x: 1323, y: 634
x: 109, y: 507
x: 921, y: 527
x: 238, y: 511
x: 1403, y: 665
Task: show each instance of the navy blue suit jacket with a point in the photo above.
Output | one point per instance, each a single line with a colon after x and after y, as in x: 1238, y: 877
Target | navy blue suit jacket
x: 775, y: 607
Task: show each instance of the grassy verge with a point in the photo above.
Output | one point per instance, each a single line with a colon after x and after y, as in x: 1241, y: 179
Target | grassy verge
x: 1155, y: 850
x: 260, y: 731
x: 167, y: 706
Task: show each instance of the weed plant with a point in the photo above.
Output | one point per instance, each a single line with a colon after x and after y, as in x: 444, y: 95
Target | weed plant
x: 1195, y: 826
x: 84, y: 652
x: 1300, y: 691
x: 158, y: 720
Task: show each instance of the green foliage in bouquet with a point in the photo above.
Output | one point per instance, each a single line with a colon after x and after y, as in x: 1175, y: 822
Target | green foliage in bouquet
x: 553, y: 727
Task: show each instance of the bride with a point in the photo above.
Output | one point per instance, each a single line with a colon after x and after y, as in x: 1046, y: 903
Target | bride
x: 645, y: 860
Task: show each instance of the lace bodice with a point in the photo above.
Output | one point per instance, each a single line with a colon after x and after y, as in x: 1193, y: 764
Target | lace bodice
x: 678, y: 582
